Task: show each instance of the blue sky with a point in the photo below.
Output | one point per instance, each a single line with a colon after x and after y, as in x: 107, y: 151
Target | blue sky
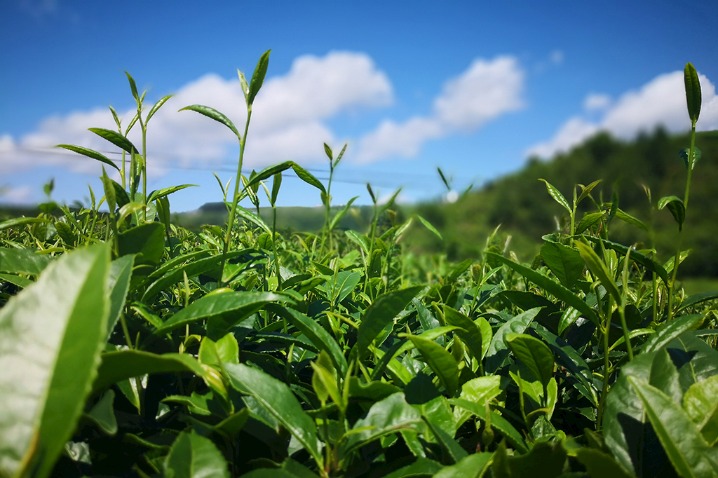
x: 473, y: 87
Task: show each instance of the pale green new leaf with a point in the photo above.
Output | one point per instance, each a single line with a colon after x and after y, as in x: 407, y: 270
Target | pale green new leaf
x: 194, y: 456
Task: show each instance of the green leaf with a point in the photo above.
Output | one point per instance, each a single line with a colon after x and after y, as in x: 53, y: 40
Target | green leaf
x: 307, y: 177
x: 160, y: 193
x: 441, y: 362
x: 133, y: 87
x: 498, y: 352
x: 118, y: 284
x: 258, y: 77
x: 20, y: 221
x: 115, y: 138
x: 689, y: 159
x: 430, y: 227
x: 390, y: 415
x: 693, y: 92
x: 213, y: 114
x: 557, y: 196
x: 102, y: 413
x: 498, y: 422
x: 109, y: 188
x: 554, y: 288
x: 279, y: 401
x: 90, y: 154
x: 469, y: 332
x: 689, y: 453
x: 380, y: 314
x: 124, y: 364
x: 668, y: 331
x: 588, y: 220
x: 51, y: 335
x: 146, y: 240
x: 701, y: 405
x: 534, y: 354
x: 471, y: 466
x: 598, y: 463
x: 192, y: 456
x: 22, y: 261
x: 341, y: 213
x: 156, y: 107
x: 676, y: 207
x: 565, y: 262
x: 236, y: 306
x: 599, y: 269
x: 637, y: 256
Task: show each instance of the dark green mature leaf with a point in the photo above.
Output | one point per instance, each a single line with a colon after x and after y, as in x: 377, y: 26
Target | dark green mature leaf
x: 279, y: 401
x: 380, y: 314
x: 554, y: 288
x: 637, y: 256
x: 545, y: 459
x: 260, y: 72
x: 565, y: 262
x: 589, y: 220
x: 124, y: 364
x: 693, y: 92
x: 102, y: 413
x: 498, y: 352
x: 239, y: 305
x: 316, y: 334
x: 696, y: 299
x: 115, y: 138
x: 498, y: 422
x: 668, y: 331
x: 676, y: 207
x: 534, y: 354
x: 90, y: 154
x: 119, y: 284
x: 689, y: 453
x: 22, y: 261
x: 469, y: 332
x: 441, y: 362
x: 146, y: 240
x: 215, y: 115
x: 51, y: 335
x: 447, y: 442
x: 422, y: 467
x: 598, y: 463
x: 390, y: 415
x: 193, y: 456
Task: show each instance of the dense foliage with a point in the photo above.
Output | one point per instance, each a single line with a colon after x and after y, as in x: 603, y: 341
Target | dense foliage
x: 130, y: 346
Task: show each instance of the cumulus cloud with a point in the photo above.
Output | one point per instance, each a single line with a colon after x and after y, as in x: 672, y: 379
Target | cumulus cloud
x: 288, y: 122
x: 16, y: 195
x: 485, y: 91
x: 661, y: 101
x: 596, y: 102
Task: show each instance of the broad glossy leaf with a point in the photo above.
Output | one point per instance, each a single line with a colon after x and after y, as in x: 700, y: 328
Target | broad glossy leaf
x: 51, y: 335
x: 688, y: 451
x: 693, y: 92
x: 102, y: 413
x: 534, y: 354
x: 471, y: 466
x: 124, y: 364
x: 146, y: 240
x: 498, y: 351
x: 668, y: 331
x: 324, y: 380
x: 90, y: 154
x: 238, y: 305
x: 193, y: 456
x: 447, y: 442
x: 701, y: 405
x: 498, y: 422
x: 469, y: 332
x: 565, y: 262
x: 676, y: 207
x: 441, y: 362
x: 391, y: 415
x: 213, y: 114
x: 380, y: 314
x: 115, y: 138
x: 598, y: 463
x: 589, y: 220
x: 319, y: 336
x: 545, y: 458
x: 422, y: 467
x: 554, y: 288
x: 22, y: 261
x: 279, y: 401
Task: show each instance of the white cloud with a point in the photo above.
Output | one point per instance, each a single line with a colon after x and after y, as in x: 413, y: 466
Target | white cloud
x: 288, y: 119
x: 16, y: 195
x: 556, y: 57
x: 596, y: 102
x: 485, y: 91
x: 661, y: 101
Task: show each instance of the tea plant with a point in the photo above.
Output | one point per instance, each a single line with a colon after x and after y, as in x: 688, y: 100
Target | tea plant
x: 133, y: 347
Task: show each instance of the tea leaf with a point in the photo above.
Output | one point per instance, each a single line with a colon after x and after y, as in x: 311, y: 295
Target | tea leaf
x: 533, y: 353
x: 215, y: 115
x: 156, y: 107
x: 599, y: 269
x: 278, y: 400
x: 22, y: 261
x: 307, y: 177
x: 557, y: 196
x: 565, y: 262
x: 676, y: 207
x: 90, y: 154
x: 700, y: 404
x: 693, y: 92
x: 471, y: 466
x: 498, y: 422
x: 440, y: 361
x: 164, y: 192
x: 115, y: 138
x: 52, y: 335
x: 193, y: 455
x: 258, y: 77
